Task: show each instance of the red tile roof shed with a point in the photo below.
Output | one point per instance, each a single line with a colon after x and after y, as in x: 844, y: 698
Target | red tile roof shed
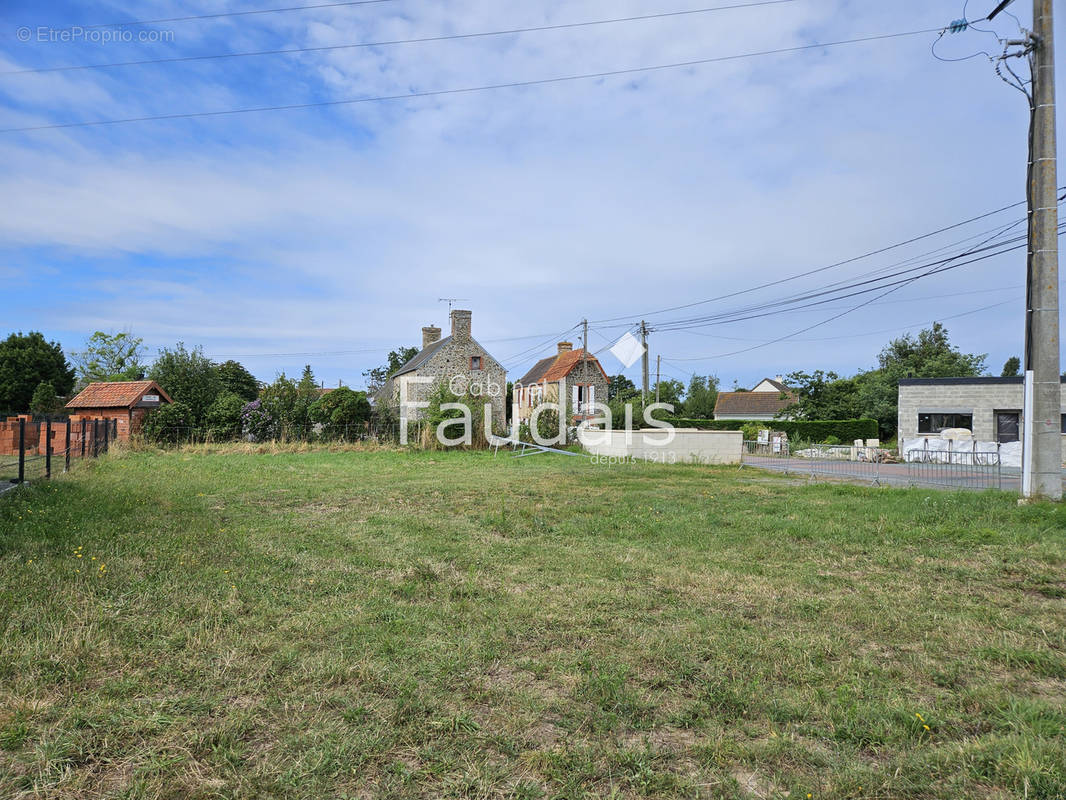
x: 118, y: 394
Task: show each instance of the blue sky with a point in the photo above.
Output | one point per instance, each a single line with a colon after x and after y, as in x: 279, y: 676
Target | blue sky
x: 333, y: 231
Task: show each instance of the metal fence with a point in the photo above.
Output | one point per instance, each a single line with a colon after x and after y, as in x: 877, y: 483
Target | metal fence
x: 879, y: 466
x: 373, y: 431
x: 40, y: 448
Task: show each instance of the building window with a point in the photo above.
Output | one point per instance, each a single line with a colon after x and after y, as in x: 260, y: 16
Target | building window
x: 475, y: 362
x: 935, y: 423
x: 1064, y: 423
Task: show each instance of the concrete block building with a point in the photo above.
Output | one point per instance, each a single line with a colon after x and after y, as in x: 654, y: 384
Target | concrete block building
x: 990, y: 407
x: 457, y: 361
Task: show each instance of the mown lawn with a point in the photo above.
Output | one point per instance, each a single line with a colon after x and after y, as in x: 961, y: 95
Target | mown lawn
x: 381, y: 624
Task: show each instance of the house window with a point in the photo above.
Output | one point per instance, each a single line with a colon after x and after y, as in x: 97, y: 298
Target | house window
x: 1064, y: 423
x: 935, y: 423
x: 475, y: 362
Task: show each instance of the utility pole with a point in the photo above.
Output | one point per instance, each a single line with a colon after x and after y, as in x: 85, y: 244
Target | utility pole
x: 659, y: 366
x: 644, y: 362
x: 585, y: 361
x: 1042, y: 452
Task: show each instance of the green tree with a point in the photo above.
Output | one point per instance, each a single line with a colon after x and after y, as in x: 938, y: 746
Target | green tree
x: 1011, y: 367
x: 170, y: 423
x: 341, y: 411
x: 822, y: 395
x: 189, y: 377
x: 668, y: 391
x: 619, y: 387
x: 375, y: 378
x: 276, y: 413
x: 701, y: 396
x: 26, y: 361
x: 307, y: 392
x: 234, y: 378
x: 110, y: 357
x: 44, y: 400
x: 223, y: 418
x: 929, y: 355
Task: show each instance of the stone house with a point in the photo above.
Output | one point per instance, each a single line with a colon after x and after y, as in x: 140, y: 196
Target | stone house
x: 991, y: 408
x: 764, y: 402
x: 125, y: 401
x: 458, y: 362
x: 582, y: 379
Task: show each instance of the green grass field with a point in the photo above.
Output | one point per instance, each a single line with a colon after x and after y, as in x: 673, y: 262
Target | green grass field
x: 383, y: 624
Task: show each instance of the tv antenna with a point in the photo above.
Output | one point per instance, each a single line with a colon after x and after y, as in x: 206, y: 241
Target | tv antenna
x: 450, y: 301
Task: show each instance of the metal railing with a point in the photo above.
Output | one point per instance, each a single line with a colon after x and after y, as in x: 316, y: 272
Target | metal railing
x: 877, y: 466
x: 43, y: 446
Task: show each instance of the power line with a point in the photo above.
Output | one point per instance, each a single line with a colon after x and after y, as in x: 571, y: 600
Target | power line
x: 863, y: 333
x: 513, y: 359
x: 817, y: 270
x: 934, y: 269
x: 232, y: 14
x: 420, y: 40
x: 834, y: 317
x: 768, y: 309
x: 467, y: 89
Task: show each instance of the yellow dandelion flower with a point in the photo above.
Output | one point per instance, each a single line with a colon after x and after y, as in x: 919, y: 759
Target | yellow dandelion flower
x: 926, y: 727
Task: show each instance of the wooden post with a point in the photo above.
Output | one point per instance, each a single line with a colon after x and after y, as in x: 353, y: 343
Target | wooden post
x: 47, y: 446
x: 66, y: 449
x: 83, y: 437
x: 22, y: 450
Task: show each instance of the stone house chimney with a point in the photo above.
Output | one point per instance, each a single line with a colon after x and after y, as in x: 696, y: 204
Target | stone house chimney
x: 565, y: 347
x: 460, y: 324
x: 430, y: 334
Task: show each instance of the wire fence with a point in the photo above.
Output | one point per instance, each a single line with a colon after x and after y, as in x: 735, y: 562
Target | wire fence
x: 32, y: 451
x: 880, y: 466
x: 375, y: 430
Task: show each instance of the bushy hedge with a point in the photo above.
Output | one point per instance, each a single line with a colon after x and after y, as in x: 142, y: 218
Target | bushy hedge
x: 807, y: 430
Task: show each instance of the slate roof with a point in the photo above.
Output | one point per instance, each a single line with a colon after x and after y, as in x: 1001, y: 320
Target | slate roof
x: 420, y: 358
x: 536, y: 374
x: 752, y: 402
x: 116, y: 394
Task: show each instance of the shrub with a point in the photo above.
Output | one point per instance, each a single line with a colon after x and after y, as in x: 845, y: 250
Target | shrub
x: 831, y: 440
x: 168, y: 424
x: 223, y: 419
x: 341, y: 412
x: 44, y: 399
x: 258, y: 420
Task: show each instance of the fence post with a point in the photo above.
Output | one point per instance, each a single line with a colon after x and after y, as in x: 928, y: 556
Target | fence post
x: 107, y: 430
x: 22, y: 450
x: 83, y: 438
x: 66, y: 462
x: 47, y: 446
x: 96, y: 440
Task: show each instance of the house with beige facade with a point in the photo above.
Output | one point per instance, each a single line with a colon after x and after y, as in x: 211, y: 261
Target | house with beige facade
x: 578, y: 378
x: 456, y: 361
